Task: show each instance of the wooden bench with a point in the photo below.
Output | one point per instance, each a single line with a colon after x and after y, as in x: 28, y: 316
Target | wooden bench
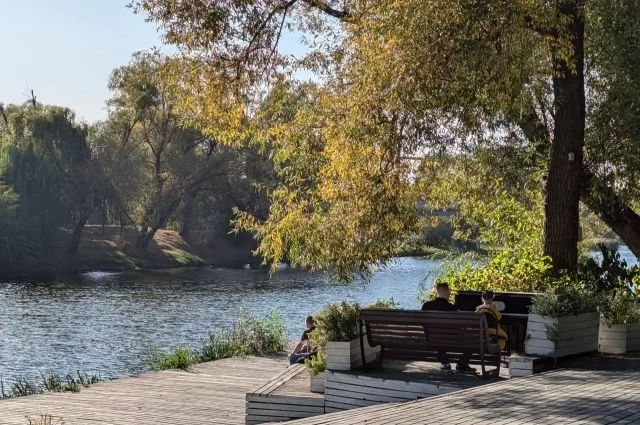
x: 421, y: 335
x: 514, y: 317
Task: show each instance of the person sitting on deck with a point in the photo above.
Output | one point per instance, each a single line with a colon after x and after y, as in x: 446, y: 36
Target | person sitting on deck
x: 494, y: 316
x: 302, y: 350
x: 441, y: 303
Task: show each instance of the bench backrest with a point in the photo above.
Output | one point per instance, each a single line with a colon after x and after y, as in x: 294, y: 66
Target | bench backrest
x: 413, y: 333
x: 514, y: 302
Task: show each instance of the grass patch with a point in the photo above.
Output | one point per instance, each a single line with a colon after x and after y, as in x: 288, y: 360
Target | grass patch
x: 21, y: 386
x: 249, y: 336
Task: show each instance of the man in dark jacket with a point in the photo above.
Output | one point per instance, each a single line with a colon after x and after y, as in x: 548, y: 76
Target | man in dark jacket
x: 441, y: 303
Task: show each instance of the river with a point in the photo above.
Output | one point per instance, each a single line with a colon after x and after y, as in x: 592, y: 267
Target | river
x: 105, y: 323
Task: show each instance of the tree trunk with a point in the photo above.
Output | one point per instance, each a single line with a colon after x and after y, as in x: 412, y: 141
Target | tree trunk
x: 187, y: 217
x: 611, y: 209
x: 141, y: 241
x: 149, y: 229
x: 77, y: 234
x: 562, y: 218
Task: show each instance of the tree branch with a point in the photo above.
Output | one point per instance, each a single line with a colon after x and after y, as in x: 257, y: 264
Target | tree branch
x: 324, y: 7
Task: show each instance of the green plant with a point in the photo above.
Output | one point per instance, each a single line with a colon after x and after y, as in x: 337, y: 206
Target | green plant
x: 385, y: 304
x: 176, y: 358
x: 336, y: 322
x: 45, y: 420
x: 620, y: 307
x: 452, y: 264
x: 317, y: 364
x: 21, y: 387
x: 569, y: 298
x: 610, y: 274
x: 249, y: 336
x: 521, y: 270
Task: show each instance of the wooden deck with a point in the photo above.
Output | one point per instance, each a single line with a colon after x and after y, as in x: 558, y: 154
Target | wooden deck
x: 284, y: 397
x: 209, y: 393
x: 561, y: 397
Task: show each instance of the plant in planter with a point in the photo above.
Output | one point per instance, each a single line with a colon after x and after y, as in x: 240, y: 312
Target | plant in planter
x: 337, y: 335
x: 620, y: 327
x: 317, y: 366
x: 564, y: 323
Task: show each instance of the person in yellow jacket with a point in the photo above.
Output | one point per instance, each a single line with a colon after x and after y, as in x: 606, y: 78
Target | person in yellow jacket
x: 494, y: 316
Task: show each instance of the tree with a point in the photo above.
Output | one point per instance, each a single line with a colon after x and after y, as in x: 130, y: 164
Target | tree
x: 176, y: 161
x: 48, y: 162
x: 420, y: 78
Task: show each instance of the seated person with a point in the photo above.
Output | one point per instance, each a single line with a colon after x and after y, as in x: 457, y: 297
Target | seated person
x: 494, y: 316
x: 303, y: 350
x: 441, y: 303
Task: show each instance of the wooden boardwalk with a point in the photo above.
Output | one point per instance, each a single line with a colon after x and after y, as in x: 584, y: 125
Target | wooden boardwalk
x: 210, y: 393
x: 563, y: 397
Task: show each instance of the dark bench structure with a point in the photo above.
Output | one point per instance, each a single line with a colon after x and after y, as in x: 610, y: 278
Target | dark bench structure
x: 514, y: 317
x: 422, y: 335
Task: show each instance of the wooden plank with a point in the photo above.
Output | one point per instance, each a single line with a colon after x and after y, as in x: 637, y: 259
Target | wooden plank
x: 172, y: 397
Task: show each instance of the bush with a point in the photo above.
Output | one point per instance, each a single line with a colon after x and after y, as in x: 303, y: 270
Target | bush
x: 385, y: 304
x: 610, y: 274
x: 337, y: 322
x: 249, y: 336
x: 508, y: 270
x: 317, y: 364
x: 568, y: 298
x: 176, y: 358
x: 620, y: 307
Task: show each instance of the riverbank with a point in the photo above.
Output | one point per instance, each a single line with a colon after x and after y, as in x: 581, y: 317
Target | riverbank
x: 113, y: 249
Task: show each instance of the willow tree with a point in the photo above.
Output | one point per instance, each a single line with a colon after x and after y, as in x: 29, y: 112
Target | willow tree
x: 424, y: 78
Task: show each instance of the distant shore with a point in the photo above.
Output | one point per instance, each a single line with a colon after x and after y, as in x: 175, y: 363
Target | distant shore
x: 113, y: 249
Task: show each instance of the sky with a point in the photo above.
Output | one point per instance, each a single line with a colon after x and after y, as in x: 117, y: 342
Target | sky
x: 65, y: 50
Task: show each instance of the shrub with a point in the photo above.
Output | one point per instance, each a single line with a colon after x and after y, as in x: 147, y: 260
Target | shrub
x: 620, y: 307
x: 610, y: 274
x: 385, y: 304
x: 317, y: 364
x: 523, y: 270
x: 568, y: 298
x: 337, y: 322
x: 177, y: 358
x: 249, y: 336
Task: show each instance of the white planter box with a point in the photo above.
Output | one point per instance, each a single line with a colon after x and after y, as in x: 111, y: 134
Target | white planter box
x: 562, y: 336
x: 346, y: 355
x: 317, y: 383
x: 619, y: 339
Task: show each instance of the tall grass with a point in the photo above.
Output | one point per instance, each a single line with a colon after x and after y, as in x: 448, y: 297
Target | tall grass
x: 249, y: 336
x: 21, y: 386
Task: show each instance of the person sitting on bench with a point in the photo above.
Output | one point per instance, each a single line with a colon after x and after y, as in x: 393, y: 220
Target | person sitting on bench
x: 441, y: 303
x: 302, y: 350
x: 494, y: 316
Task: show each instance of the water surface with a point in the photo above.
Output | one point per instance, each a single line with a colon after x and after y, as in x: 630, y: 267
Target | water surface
x: 105, y: 323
